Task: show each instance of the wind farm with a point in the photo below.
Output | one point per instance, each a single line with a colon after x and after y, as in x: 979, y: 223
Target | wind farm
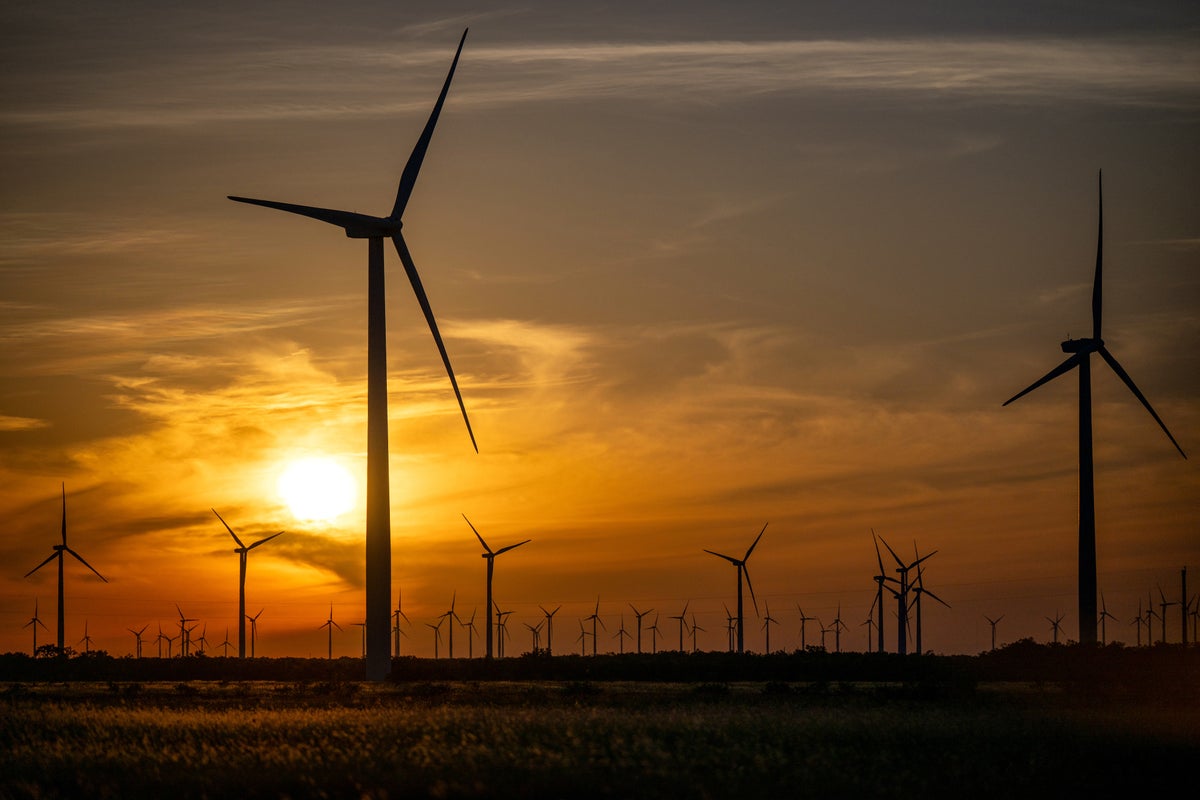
x: 698, y: 268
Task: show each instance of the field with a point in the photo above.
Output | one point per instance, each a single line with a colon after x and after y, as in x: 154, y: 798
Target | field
x: 585, y: 739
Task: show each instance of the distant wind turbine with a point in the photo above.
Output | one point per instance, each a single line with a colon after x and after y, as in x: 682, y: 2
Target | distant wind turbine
x: 490, y: 555
x: 397, y: 615
x: 740, y: 564
x: 1080, y: 351
x: 329, y: 625
x: 620, y: 636
x: 375, y: 230
x: 550, y: 629
x: 254, y: 629
x: 437, y: 634
x: 243, y: 552
x: 86, y: 641
x: 696, y: 629
x: 1104, y: 617
x: 34, y: 621
x: 919, y: 590
x: 653, y: 636
x: 1056, y: 625
x: 59, y: 549
x: 452, y: 617
x: 184, y: 632
x: 472, y: 632
x: 137, y: 635
x: 803, y: 623
x: 902, y: 595
x: 595, y: 618
x: 1162, y: 617
x: 639, y: 615
x: 993, y: 623
x: 768, y: 621
x: 682, y: 617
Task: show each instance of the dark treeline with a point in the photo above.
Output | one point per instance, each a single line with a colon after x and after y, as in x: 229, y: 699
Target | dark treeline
x: 1163, y: 669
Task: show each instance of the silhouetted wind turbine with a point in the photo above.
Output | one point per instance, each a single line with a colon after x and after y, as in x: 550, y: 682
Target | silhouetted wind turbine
x: 203, y: 640
x: 243, y: 552
x: 838, y: 627
x: 682, y: 617
x: 59, y: 549
x: 919, y: 589
x: 870, y: 623
x: 375, y: 230
x: 184, y: 632
x: 730, y: 627
x: 696, y: 628
x: 254, y: 629
x: 880, y: 580
x: 137, y: 635
x: 1080, y: 356
x: 1139, y: 621
x: 437, y: 634
x: 993, y: 623
x: 1104, y: 617
x: 471, y: 633
x: 329, y: 625
x: 86, y: 641
x: 639, y: 615
x: 34, y: 621
x: 1056, y: 625
x: 582, y: 639
x: 490, y: 555
x: 653, y: 636
x: 768, y: 621
x: 225, y: 645
x: 620, y: 636
x: 536, y: 636
x: 803, y: 623
x: 397, y: 615
x: 501, y: 630
x: 740, y: 564
x: 158, y: 640
x: 1162, y: 617
x: 595, y: 618
x: 362, y: 625
x: 550, y: 629
x: 452, y: 617
x: 902, y: 595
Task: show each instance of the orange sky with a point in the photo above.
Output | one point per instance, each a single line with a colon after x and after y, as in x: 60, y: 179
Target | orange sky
x: 696, y: 272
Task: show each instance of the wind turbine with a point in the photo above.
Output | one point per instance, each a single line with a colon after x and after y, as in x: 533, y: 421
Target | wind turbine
x: 1080, y: 351
x: 396, y: 617
x: 740, y: 564
x: 582, y: 639
x: 730, y: 627
x: 1139, y: 622
x: 362, y: 625
x: 184, y: 632
x: 870, y: 623
x: 919, y: 589
x: 620, y: 636
x: 838, y: 627
x: 550, y: 629
x: 536, y: 635
x: 243, y: 552
x: 437, y: 634
x: 1056, y: 625
x: 696, y: 628
x: 490, y: 555
x: 993, y: 623
x: 452, y: 618
x: 1104, y: 617
x: 902, y: 595
x: 86, y: 641
x: 768, y: 621
x: 803, y: 623
x: 137, y: 635
x: 501, y: 630
x: 1162, y: 617
x: 682, y: 617
x: 595, y: 618
x: 254, y: 628
x: 203, y: 640
x: 329, y: 625
x: 375, y: 230
x: 59, y: 549
x: 653, y: 636
x: 34, y: 621
x: 158, y: 640
x: 880, y: 580
x: 639, y: 615
x: 225, y: 645
x: 472, y: 632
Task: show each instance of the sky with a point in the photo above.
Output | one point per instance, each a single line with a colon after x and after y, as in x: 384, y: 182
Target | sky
x: 700, y: 268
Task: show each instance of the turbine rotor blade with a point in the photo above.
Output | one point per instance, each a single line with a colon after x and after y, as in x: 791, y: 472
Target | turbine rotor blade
x: 231, y: 533
x: 408, y: 178
x: 477, y: 536
x: 1098, y: 283
x: 760, y: 535
x: 1124, y: 376
x: 332, y: 216
x: 511, y: 546
x: 893, y: 552
x: 750, y: 586
x: 1066, y: 366
x: 264, y: 541
x: 419, y: 290
x: 730, y: 559
x: 86, y: 564
x: 51, y: 557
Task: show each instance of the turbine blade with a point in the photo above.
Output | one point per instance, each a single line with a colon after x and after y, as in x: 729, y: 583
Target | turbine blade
x: 935, y: 597
x: 730, y: 559
x: 408, y: 178
x: 1124, y: 376
x: 878, y: 557
x: 86, y: 564
x: 477, y: 536
x: 419, y: 290
x: 231, y: 533
x: 760, y: 535
x: 511, y: 546
x: 64, y: 514
x: 342, y: 219
x: 750, y: 586
x: 49, y: 558
x: 893, y: 552
x: 264, y: 541
x: 1098, y: 283
x: 1066, y: 366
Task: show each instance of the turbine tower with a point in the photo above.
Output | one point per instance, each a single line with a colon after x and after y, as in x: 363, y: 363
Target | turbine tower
x: 243, y: 552
x: 59, y: 549
x: 375, y: 230
x: 740, y: 564
x: 490, y: 555
x: 1080, y: 351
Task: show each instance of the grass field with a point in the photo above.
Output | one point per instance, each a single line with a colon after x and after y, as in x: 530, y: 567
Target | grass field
x: 263, y: 739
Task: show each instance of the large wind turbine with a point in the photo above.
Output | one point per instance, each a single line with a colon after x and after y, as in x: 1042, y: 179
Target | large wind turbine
x: 490, y: 555
x: 740, y: 564
x: 1080, y: 356
x: 375, y: 230
x: 59, y: 549
x: 243, y: 552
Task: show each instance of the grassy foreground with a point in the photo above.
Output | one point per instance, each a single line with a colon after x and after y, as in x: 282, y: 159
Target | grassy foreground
x: 263, y: 739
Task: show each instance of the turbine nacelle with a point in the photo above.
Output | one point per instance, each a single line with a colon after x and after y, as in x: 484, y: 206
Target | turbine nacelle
x: 1082, y: 345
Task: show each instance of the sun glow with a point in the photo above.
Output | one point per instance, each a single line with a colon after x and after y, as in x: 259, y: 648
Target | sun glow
x: 317, y: 489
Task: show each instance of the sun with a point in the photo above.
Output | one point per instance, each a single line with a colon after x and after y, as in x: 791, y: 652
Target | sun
x: 317, y: 489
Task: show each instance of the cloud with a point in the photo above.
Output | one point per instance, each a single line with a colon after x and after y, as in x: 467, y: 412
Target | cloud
x: 21, y: 423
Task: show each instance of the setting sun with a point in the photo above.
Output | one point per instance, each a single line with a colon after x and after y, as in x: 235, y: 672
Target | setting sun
x: 317, y: 489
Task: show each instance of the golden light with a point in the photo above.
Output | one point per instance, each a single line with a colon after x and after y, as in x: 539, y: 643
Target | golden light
x: 317, y: 488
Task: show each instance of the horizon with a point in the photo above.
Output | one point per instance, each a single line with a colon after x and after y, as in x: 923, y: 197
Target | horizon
x: 696, y: 273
